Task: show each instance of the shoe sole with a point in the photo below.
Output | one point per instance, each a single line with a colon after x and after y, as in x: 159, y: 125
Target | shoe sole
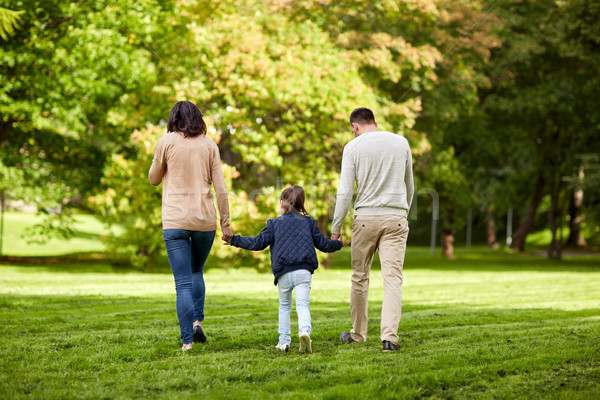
x: 199, y: 336
x: 305, y: 345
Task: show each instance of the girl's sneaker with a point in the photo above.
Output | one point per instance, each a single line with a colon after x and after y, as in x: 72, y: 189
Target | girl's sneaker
x: 283, y: 346
x: 305, y: 343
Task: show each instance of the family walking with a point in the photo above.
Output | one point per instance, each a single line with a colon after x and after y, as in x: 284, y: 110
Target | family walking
x: 187, y: 162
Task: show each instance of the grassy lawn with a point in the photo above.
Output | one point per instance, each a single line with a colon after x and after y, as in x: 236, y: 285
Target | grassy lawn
x: 485, y: 325
x: 87, y: 231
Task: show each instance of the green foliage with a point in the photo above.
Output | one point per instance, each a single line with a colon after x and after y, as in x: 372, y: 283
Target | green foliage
x: 489, y: 94
x: 62, y: 76
x: 480, y: 326
x: 9, y: 21
x: 542, y: 105
x: 277, y: 94
x: 130, y: 200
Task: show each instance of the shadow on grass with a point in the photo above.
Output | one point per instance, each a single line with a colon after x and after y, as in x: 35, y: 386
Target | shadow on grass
x: 231, y: 319
x: 506, y: 263
x: 483, y: 260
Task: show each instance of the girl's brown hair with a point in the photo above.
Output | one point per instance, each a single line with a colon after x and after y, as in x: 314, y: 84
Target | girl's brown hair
x: 293, y: 199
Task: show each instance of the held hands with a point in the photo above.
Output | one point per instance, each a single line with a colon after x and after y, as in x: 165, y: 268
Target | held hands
x: 337, y: 236
x: 227, y: 236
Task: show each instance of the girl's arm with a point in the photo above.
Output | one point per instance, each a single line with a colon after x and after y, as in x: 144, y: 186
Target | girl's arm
x: 321, y: 242
x: 260, y: 242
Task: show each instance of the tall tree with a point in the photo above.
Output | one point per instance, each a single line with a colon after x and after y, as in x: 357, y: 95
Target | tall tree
x: 422, y: 59
x: 464, y: 34
x: 544, y: 96
x: 275, y: 94
x: 70, y: 81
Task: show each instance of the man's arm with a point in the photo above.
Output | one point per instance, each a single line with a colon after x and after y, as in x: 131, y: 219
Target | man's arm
x: 344, y: 193
x: 408, y: 179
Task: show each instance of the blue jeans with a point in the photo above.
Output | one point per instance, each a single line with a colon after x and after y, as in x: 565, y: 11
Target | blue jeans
x: 300, y: 280
x: 188, y: 250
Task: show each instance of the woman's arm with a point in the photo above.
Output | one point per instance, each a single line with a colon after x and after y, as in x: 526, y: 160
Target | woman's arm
x: 218, y: 181
x: 159, y: 164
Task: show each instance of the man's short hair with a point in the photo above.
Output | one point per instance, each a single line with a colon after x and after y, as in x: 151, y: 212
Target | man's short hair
x: 362, y: 116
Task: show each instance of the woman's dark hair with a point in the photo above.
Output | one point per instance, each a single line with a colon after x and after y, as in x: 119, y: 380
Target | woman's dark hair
x: 186, y: 118
x: 293, y: 199
x: 362, y: 116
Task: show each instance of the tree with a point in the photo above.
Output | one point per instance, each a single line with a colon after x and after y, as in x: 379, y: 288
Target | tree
x: 465, y: 35
x: 275, y: 95
x: 544, y: 95
x: 9, y: 21
x: 421, y: 59
x: 70, y: 81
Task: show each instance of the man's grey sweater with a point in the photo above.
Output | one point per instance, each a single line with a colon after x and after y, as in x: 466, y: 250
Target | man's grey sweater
x: 381, y: 165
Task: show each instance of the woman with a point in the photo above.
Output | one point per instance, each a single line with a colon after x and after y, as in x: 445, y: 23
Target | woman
x: 187, y: 162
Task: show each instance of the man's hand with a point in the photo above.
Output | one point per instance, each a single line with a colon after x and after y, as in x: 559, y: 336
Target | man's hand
x: 337, y: 236
x: 227, y: 235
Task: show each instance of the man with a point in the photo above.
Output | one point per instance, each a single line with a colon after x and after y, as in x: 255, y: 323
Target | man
x: 381, y: 165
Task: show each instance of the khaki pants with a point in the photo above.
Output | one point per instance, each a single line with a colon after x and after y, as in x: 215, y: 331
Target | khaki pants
x: 388, y: 234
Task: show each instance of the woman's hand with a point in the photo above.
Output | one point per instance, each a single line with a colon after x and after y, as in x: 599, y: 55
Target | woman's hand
x: 227, y: 235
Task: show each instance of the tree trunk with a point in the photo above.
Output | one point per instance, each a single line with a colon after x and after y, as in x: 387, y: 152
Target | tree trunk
x: 447, y: 243
x: 527, y: 224
x: 490, y: 229
x: 575, y: 236
x: 448, y: 232
x: 4, y: 130
x: 554, y: 249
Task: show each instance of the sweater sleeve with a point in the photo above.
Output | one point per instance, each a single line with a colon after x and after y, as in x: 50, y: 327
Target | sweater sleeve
x: 345, y: 191
x: 218, y: 180
x: 260, y: 242
x: 159, y: 164
x: 321, y: 242
x: 408, y: 179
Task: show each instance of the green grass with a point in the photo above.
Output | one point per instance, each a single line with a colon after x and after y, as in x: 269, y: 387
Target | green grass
x: 484, y: 325
x: 542, y: 238
x: 16, y: 241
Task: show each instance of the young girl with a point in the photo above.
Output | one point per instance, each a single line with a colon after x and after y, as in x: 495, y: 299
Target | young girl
x: 293, y: 237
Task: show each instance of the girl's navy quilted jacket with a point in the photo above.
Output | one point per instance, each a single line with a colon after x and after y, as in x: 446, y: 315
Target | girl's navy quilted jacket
x: 293, y: 238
